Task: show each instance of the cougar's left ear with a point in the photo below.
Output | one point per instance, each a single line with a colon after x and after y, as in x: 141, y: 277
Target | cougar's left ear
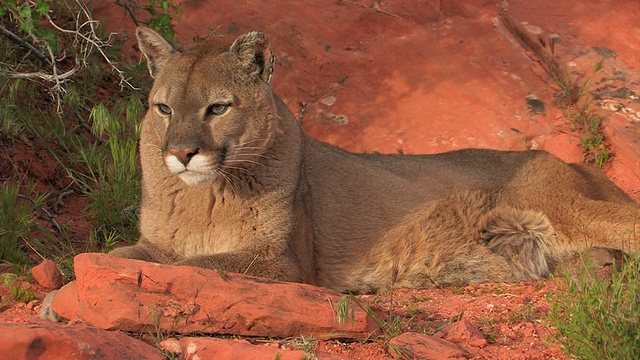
x: 155, y: 48
x: 255, y: 54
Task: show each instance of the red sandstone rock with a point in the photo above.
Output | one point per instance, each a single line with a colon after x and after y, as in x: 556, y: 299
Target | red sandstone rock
x: 130, y: 295
x: 47, y: 275
x: 419, y: 346
x: 70, y: 342
x: 464, y: 334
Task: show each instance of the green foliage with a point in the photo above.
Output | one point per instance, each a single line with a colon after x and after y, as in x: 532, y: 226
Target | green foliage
x: 575, y: 99
x: 108, y: 173
x: 526, y: 312
x: 344, y: 310
x: 16, y: 221
x: 11, y: 126
x: 64, y: 90
x: 488, y: 327
x: 306, y: 345
x: 23, y: 294
x: 573, y: 93
x: 159, y: 14
x: 592, y: 140
x: 27, y: 14
x: 391, y: 327
x: 600, y: 320
x: 19, y: 292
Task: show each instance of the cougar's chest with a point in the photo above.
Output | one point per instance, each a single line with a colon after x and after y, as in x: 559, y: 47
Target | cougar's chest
x: 193, y: 222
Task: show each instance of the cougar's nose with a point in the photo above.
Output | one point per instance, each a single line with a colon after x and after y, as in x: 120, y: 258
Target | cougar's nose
x: 184, y: 155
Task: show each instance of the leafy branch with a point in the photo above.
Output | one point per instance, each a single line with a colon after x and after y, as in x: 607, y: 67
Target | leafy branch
x: 37, y: 32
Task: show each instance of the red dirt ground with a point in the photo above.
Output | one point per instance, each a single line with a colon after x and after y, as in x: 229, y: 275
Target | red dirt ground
x: 511, y: 317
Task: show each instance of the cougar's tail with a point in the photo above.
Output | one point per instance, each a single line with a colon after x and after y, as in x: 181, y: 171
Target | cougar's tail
x: 525, y: 238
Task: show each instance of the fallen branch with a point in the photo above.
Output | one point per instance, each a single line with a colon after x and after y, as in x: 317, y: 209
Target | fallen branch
x: 16, y: 39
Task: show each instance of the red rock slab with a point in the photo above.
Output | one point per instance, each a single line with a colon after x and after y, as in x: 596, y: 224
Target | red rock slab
x: 624, y: 137
x: 130, y: 295
x: 47, y: 275
x: 70, y: 342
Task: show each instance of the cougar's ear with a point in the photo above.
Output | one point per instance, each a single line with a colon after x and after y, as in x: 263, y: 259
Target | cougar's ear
x: 255, y: 54
x: 155, y: 48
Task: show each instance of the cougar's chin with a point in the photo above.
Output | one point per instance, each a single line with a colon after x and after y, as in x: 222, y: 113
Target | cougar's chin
x: 192, y: 178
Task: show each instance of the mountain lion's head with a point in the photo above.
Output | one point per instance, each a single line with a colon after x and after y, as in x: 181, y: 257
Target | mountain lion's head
x: 210, y: 105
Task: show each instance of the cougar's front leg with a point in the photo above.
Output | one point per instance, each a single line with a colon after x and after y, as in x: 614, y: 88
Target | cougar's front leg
x: 145, y: 251
x: 249, y: 263
x: 46, y: 312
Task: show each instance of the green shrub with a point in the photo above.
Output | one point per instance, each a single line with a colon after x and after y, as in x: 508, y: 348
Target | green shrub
x: 19, y: 290
x: 16, y: 221
x: 64, y: 89
x: 600, y: 320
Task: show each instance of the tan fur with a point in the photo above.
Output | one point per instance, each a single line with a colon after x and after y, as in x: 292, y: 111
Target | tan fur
x: 262, y: 198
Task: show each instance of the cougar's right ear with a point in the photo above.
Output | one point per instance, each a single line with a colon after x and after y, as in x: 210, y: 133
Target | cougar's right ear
x: 254, y: 52
x: 155, y: 48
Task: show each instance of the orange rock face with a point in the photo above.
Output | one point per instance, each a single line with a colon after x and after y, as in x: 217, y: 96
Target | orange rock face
x: 434, y: 76
x: 211, y: 348
x: 463, y: 333
x: 118, y: 294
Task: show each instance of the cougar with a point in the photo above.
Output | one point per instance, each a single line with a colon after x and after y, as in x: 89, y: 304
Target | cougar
x: 230, y: 182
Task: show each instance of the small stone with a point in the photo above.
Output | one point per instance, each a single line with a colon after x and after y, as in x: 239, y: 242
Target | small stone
x: 171, y: 345
x: 47, y: 275
x: 329, y: 100
x: 464, y: 334
x: 419, y: 346
x: 32, y: 304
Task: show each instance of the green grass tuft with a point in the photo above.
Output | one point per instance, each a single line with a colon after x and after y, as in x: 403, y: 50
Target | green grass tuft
x: 19, y: 292
x: 575, y: 99
x: 16, y: 222
x: 600, y: 320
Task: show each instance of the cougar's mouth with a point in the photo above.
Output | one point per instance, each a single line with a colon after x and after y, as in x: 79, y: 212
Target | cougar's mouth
x: 199, y: 168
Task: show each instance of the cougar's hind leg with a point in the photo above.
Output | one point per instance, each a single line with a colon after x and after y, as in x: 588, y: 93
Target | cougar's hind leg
x: 593, y: 259
x: 524, y: 238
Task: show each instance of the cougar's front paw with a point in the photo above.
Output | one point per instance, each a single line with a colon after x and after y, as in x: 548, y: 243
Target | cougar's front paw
x: 46, y: 312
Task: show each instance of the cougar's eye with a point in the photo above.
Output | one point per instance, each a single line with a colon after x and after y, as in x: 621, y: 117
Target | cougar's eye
x: 217, y: 109
x: 164, y: 109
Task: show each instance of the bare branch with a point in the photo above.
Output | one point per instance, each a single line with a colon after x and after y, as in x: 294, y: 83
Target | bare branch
x: 86, y: 41
x: 93, y: 39
x: 39, y: 75
x: 15, y: 38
